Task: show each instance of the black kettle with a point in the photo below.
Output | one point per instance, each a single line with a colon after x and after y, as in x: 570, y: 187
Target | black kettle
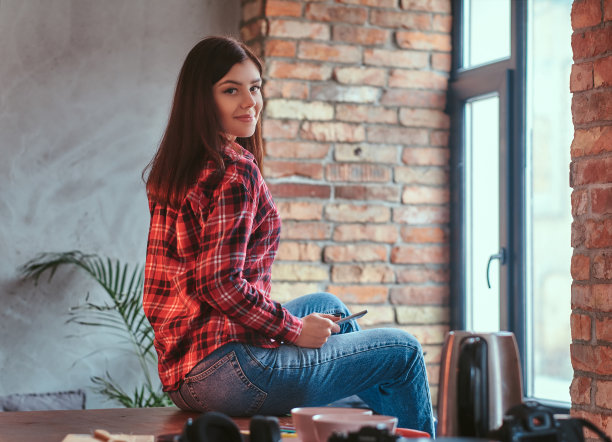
x: 480, y: 379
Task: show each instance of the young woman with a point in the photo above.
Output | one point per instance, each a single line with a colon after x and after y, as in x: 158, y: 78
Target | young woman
x: 223, y: 344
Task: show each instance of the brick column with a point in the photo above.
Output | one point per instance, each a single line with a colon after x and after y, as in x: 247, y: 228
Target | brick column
x: 591, y: 179
x: 357, y: 154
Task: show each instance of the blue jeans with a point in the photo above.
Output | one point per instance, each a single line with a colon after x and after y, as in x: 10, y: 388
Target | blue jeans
x: 384, y: 367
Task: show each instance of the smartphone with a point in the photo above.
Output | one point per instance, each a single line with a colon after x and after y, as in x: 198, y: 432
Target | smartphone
x: 353, y: 316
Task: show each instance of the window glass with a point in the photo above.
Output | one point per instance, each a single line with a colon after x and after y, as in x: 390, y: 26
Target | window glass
x: 549, y: 220
x: 482, y: 212
x: 486, y: 36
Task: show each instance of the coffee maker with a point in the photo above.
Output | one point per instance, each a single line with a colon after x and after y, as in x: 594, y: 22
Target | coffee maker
x: 480, y: 379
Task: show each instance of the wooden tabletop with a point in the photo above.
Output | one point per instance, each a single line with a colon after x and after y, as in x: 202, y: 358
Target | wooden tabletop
x: 53, y: 426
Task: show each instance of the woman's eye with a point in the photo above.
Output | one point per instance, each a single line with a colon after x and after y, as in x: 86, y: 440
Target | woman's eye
x: 255, y: 88
x: 231, y: 90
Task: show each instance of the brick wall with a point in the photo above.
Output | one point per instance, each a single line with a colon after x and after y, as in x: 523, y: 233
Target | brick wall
x: 357, y: 154
x: 591, y: 180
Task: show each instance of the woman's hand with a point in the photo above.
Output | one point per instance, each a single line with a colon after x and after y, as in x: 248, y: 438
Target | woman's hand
x: 316, y: 329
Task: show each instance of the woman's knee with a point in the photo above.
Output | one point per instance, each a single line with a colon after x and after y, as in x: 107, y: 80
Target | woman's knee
x: 330, y: 303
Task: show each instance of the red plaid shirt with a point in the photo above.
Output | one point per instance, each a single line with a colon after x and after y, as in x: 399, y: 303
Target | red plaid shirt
x: 208, y: 267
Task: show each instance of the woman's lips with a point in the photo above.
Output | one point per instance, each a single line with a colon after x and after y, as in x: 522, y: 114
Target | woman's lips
x: 246, y: 118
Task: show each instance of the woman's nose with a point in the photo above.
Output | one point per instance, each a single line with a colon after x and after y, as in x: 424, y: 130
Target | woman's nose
x: 248, y: 101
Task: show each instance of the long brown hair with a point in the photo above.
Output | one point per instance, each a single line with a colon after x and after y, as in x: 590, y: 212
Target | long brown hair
x: 194, y: 134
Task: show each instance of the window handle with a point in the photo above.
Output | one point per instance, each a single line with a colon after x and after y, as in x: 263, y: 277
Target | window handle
x: 502, y: 260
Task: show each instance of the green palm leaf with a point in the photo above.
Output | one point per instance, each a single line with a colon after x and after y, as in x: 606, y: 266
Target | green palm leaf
x: 121, y: 314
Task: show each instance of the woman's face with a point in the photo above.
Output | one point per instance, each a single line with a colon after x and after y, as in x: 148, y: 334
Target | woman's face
x: 238, y: 99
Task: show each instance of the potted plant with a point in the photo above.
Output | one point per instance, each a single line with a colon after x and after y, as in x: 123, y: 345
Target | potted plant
x: 121, y: 314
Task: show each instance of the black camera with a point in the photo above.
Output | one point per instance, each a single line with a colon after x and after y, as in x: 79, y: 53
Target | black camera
x: 533, y: 422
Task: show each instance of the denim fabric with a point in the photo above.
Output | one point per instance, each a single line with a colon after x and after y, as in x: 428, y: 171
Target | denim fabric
x: 384, y: 367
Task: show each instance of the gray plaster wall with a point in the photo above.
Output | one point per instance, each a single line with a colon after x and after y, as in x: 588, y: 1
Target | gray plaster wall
x: 85, y: 90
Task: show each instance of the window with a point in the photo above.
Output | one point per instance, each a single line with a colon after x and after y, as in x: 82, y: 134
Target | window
x: 511, y: 130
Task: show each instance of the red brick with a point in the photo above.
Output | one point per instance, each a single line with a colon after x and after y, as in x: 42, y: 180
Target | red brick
x: 602, y: 266
x: 602, y: 72
x: 285, y: 89
x: 253, y: 30
x: 431, y: 176
x: 277, y: 8
x: 607, y: 4
x: 591, y: 171
x: 598, y: 233
x: 331, y: 92
x: 424, y: 234
x: 586, y: 13
x: 423, y: 41
x: 371, y: 3
x: 415, y: 215
x: 299, y: 70
x: 360, y: 294
x: 280, y: 169
x: 335, y: 131
x: 280, y: 48
x: 370, y: 173
x: 299, y: 30
x: 360, y: 232
x: 580, y: 268
x: 296, y: 251
x: 328, y: 13
x: 581, y: 78
x: 439, y: 138
x: 600, y: 420
x: 363, y: 273
x: 425, y: 195
x: 595, y: 297
x: 433, y: 118
x: 327, y: 52
x: 300, y: 211
x: 398, y: 20
x: 351, y: 213
x: 355, y: 253
x: 592, y: 106
x: 603, y: 329
x: 601, y: 200
x: 581, y: 296
x: 365, y: 153
x: 420, y: 295
x: 414, y: 98
x: 441, y: 62
x: 425, y: 156
x: 280, y: 128
x: 580, y: 202
x: 581, y: 327
x: 592, y: 141
x: 420, y: 255
x: 397, y: 135
x: 305, y: 230
x: 360, y: 75
x: 365, y: 114
x: 419, y: 274
x: 590, y: 43
x: 297, y: 149
x: 442, y: 23
x: 603, y: 394
x: 578, y: 234
x: 591, y: 359
x: 427, y: 5
x: 360, y: 35
x: 368, y: 193
x: 580, y: 390
x: 410, y: 79
x: 297, y: 190
x: 396, y: 58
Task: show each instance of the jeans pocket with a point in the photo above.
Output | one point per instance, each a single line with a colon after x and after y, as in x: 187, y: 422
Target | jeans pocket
x: 225, y: 388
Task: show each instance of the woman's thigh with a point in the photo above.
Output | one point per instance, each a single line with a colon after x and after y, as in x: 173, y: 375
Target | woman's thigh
x: 347, y: 364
